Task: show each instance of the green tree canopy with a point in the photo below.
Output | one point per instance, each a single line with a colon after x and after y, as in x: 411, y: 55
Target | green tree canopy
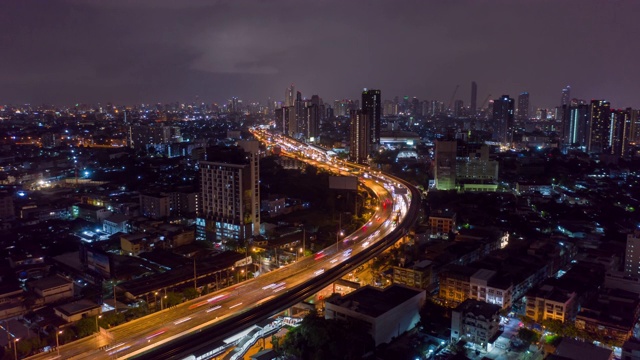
x: 317, y: 338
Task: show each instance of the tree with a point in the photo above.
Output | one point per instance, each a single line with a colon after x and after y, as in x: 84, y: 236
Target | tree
x: 318, y: 338
x: 190, y: 293
x: 528, y: 336
x: 173, y: 299
x: 85, y: 327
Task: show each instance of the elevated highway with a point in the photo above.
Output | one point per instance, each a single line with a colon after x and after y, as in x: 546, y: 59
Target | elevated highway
x: 192, y: 330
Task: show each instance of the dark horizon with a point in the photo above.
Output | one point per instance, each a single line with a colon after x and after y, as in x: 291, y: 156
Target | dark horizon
x: 132, y: 52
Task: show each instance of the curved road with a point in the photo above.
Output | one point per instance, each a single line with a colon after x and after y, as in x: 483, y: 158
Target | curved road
x: 220, y: 308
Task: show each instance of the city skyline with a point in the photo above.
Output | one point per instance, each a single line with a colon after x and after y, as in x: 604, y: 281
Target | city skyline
x: 140, y: 52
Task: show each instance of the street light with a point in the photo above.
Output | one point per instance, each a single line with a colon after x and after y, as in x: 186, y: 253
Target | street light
x: 15, y: 348
x: 97, y: 327
x: 57, y: 342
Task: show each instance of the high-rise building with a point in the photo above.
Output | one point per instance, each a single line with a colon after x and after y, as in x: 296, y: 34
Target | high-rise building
x: 458, y: 108
x: 371, y: 106
x: 230, y: 193
x: 474, y: 98
x: 618, y: 131
x: 360, y: 136
x: 445, y: 169
x: 578, y: 125
x: 503, y: 119
x: 566, y: 96
x: 632, y: 254
x: 599, y: 126
x: 523, y: 106
x: 290, y: 96
x: 312, y: 121
x: 634, y: 127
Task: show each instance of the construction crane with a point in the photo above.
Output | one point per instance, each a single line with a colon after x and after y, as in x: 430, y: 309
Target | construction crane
x: 452, y: 98
x: 484, y: 102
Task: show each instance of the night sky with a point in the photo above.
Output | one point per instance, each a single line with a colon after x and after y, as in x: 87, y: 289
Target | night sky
x: 132, y: 51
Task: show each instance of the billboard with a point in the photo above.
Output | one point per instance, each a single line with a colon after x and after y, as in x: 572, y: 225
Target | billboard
x: 343, y: 182
x: 99, y: 262
x: 243, y: 262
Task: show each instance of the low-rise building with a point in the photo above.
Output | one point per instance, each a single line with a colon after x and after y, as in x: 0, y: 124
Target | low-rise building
x: 418, y: 275
x: 631, y: 349
x: 552, y: 303
x: 476, y: 322
x: 77, y: 310
x: 442, y: 222
x: 52, y: 288
x: 116, y: 223
x: 611, y: 316
x: 387, y: 313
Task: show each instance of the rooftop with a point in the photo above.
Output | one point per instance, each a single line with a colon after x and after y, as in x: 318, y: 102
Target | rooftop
x: 374, y: 302
x: 49, y: 282
x: 578, y: 350
x: 477, y: 307
x: 77, y: 307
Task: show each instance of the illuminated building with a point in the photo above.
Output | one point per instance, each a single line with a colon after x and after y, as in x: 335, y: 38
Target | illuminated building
x: 360, y: 132
x: 229, y: 183
x: 445, y: 167
x: 503, y: 119
x: 523, y: 106
x: 371, y: 106
x: 598, y: 136
x: 477, y: 323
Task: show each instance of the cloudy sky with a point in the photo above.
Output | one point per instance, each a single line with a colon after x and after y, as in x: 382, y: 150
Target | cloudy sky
x: 133, y: 51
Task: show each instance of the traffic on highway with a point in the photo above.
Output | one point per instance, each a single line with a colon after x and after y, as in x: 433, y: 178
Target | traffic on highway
x: 141, y: 335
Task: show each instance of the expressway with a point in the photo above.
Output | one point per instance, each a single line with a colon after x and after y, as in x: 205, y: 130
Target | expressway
x: 173, y: 332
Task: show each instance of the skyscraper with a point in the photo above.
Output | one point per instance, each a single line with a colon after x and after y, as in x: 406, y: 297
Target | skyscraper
x: 371, y: 106
x: 289, y: 96
x: 300, y: 115
x: 599, y: 126
x: 619, y: 127
x: 360, y: 136
x: 578, y: 125
x: 523, y: 106
x: 474, y: 98
x: 445, y: 169
x: 503, y: 119
x: 566, y: 96
x: 230, y: 189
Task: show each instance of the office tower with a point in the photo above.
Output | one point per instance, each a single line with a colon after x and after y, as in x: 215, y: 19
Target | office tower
x: 290, y: 96
x: 458, y: 108
x: 566, y: 96
x: 599, y: 126
x: 300, y: 115
x: 620, y: 121
x: 291, y: 121
x: 632, y: 254
x: 634, y: 126
x: 578, y: 125
x: 390, y: 108
x: 503, y: 119
x: 474, y: 98
x: 230, y: 193
x: 523, y: 106
x: 445, y: 169
x: 371, y: 106
x: 360, y: 136
x: 312, y: 121
x: 415, y: 107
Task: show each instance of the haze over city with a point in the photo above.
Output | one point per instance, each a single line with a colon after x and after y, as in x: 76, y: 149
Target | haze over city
x: 67, y: 52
